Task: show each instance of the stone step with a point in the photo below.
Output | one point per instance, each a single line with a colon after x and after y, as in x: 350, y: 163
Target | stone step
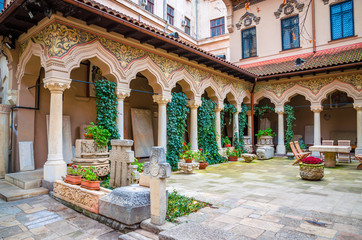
x: 139, y: 234
x: 26, y: 180
x: 10, y: 192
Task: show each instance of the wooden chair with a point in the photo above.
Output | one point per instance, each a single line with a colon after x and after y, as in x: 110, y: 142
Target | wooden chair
x: 359, y: 158
x: 326, y: 143
x: 297, y: 155
x: 296, y: 143
x: 344, y: 156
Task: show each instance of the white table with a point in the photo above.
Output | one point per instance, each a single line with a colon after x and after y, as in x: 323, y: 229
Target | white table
x: 330, y: 153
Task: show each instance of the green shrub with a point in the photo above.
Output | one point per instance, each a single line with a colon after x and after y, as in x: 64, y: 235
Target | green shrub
x: 99, y: 133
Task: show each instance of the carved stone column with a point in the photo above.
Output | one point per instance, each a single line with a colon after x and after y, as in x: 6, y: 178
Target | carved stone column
x: 121, y: 95
x: 236, y: 124
x: 281, y: 145
x: 218, y: 126
x: 162, y: 101
x: 158, y: 170
x: 249, y: 123
x: 317, y: 109
x: 358, y: 107
x: 4, y: 138
x: 194, y: 105
x: 55, y: 166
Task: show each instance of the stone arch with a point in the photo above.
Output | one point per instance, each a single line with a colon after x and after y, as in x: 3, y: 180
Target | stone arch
x: 31, y: 51
x: 337, y: 85
x: 245, y: 97
x: 151, y: 71
x: 99, y: 56
x: 186, y: 81
x: 295, y: 90
x: 210, y: 86
x: 266, y: 94
x: 231, y: 94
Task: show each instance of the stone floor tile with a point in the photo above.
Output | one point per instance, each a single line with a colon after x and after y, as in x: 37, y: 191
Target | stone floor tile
x: 19, y: 236
x: 348, y: 236
x: 39, y: 230
x: 10, y: 210
x: 110, y: 235
x: 24, y: 206
x: 227, y: 219
x: 35, y: 209
x: 214, y: 224
x: 29, y: 238
x: 61, y: 227
x: 270, y: 226
x: 290, y: 222
x: 320, y: 231
x: 10, y: 222
x: 247, y: 231
x: 22, y: 227
x: 270, y: 218
x: 267, y: 235
x: 240, y: 212
x: 288, y: 233
x: 347, y: 228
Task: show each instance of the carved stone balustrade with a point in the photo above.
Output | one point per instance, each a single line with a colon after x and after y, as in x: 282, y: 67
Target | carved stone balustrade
x: 87, y: 154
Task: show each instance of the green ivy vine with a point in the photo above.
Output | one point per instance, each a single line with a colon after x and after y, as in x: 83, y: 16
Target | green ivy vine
x: 228, y: 109
x: 260, y: 111
x: 176, y: 127
x: 106, y: 103
x: 207, y: 131
x: 289, y: 134
x: 243, y: 122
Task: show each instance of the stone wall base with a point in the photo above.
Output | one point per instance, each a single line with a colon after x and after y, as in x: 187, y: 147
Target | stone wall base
x: 102, y: 219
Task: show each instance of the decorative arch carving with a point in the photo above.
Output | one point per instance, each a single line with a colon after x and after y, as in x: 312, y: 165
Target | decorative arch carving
x: 338, y: 85
x: 210, y: 83
x: 96, y: 53
x: 289, y: 7
x: 247, y: 19
x: 230, y: 90
x: 186, y: 81
x: 295, y: 90
x: 264, y: 93
x: 151, y: 71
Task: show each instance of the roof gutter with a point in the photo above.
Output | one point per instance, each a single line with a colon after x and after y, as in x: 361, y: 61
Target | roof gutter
x: 155, y: 35
x: 310, y: 71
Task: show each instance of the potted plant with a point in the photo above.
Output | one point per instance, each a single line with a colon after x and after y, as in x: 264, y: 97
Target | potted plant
x: 74, y: 175
x: 99, y: 134
x: 90, y: 179
x: 311, y: 168
x: 227, y: 142
x: 265, y: 137
x: 187, y: 153
x: 201, y: 158
x: 232, y: 155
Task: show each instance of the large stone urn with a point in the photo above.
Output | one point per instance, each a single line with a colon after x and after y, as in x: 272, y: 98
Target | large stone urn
x: 311, y: 171
x: 87, y: 154
x: 265, y: 140
x: 265, y: 147
x: 247, y: 144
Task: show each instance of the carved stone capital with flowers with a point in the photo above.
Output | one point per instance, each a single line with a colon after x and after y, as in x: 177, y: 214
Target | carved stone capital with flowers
x: 56, y: 85
x: 195, y: 103
x: 162, y: 99
x: 122, y: 93
x: 316, y: 108
x: 279, y: 110
x: 358, y: 105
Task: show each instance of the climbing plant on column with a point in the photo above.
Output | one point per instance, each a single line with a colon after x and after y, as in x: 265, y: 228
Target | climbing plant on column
x: 176, y: 126
x: 243, y: 120
x: 207, y: 131
x: 230, y: 110
x: 106, y: 103
x: 289, y: 134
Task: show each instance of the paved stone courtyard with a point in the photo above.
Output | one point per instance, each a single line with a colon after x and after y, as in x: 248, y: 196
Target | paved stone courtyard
x: 260, y: 200
x: 268, y: 200
x: 44, y: 218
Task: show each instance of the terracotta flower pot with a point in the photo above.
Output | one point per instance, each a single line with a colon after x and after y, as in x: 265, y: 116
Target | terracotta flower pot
x: 233, y: 159
x: 203, y: 165
x: 189, y: 160
x: 311, y: 171
x: 227, y: 145
x: 75, y: 180
x: 91, y: 185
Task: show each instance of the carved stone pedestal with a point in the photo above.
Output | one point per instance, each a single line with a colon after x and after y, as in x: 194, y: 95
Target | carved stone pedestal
x: 81, y: 197
x: 188, y: 167
x: 87, y: 154
x: 247, y: 144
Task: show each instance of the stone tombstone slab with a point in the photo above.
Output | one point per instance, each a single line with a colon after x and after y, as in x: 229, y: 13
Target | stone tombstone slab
x: 67, y: 138
x: 158, y: 170
x: 26, y: 156
x: 142, y: 131
x: 128, y: 205
x: 121, y: 157
x: 265, y: 152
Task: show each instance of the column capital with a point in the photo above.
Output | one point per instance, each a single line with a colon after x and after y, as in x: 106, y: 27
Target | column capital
x: 279, y: 110
x: 217, y: 109
x: 122, y: 93
x: 357, y: 106
x: 162, y: 99
x: 194, y: 103
x: 316, y: 108
x: 4, y: 108
x: 56, y: 86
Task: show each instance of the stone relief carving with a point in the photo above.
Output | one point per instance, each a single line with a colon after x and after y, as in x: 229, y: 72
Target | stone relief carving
x: 247, y: 19
x: 157, y: 167
x: 289, y: 8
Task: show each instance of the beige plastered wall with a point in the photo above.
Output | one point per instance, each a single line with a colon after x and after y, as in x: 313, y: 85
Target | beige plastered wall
x: 268, y: 31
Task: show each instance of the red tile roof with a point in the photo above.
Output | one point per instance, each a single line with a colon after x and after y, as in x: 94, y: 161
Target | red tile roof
x: 324, y: 58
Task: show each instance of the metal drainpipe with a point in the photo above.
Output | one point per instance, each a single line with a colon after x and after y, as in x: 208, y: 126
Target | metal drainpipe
x: 313, y: 27
x: 197, y: 20
x: 252, y: 115
x: 165, y: 10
